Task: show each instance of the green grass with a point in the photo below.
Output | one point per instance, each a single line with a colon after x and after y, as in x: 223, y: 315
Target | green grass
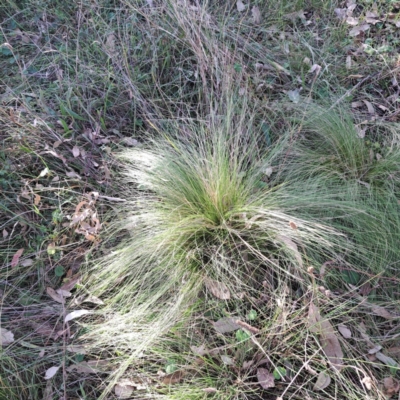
x: 223, y: 165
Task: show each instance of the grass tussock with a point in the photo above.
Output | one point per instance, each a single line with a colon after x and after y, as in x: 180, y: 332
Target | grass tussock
x: 218, y: 207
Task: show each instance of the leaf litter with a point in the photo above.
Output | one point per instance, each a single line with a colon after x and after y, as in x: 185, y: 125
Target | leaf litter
x: 328, y: 339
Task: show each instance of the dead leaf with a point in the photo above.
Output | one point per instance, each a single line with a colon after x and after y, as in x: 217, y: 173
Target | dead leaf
x: 227, y: 360
x: 27, y: 262
x: 394, y: 351
x: 268, y: 171
x: 375, y: 349
x: 391, y: 386
x: 6, y: 337
x: 75, y: 151
x: 210, y: 390
x: 345, y: 331
x: 199, y: 351
x: 358, y: 29
x: 331, y: 345
x: 340, y: 12
x: 51, y: 372
x: 294, y: 95
x: 315, y: 68
x: 328, y: 339
x: 90, y: 367
x: 5, y: 234
x: 256, y: 15
x: 44, y: 173
x: 16, y: 257
x: 54, y: 295
x: 175, y: 377
x: 387, y: 360
x: 94, y: 300
x: 265, y: 378
x: 371, y: 17
x: 226, y: 325
x: 37, y: 200
x: 247, y: 364
x: 352, y: 21
x: 71, y: 283
x: 381, y: 312
x: 240, y: 6
x: 124, y: 389
x: 110, y: 43
x: 218, y: 289
x: 63, y: 293
x: 367, y: 381
x: 322, y: 382
x: 75, y: 314
x: 370, y: 107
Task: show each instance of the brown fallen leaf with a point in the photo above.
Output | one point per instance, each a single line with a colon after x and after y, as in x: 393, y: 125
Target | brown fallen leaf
x: 70, y: 283
x: 124, y: 389
x: 370, y: 107
x: 394, y: 351
x: 381, y: 312
x: 322, y: 382
x: 218, y: 289
x: 27, y: 262
x: 75, y: 151
x: 345, y: 331
x: 59, y: 298
x: 391, y: 386
x: 199, y: 351
x: 358, y: 29
x: 94, y: 300
x: 226, y: 325
x: 46, y: 330
x: 210, y: 390
x: 328, y: 339
x: 331, y: 345
x: 75, y: 314
x: 51, y: 372
x: 16, y: 257
x: 265, y: 378
x: 240, y: 6
x: 175, y: 377
x: 6, y: 337
x: 387, y: 360
x: 90, y: 367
